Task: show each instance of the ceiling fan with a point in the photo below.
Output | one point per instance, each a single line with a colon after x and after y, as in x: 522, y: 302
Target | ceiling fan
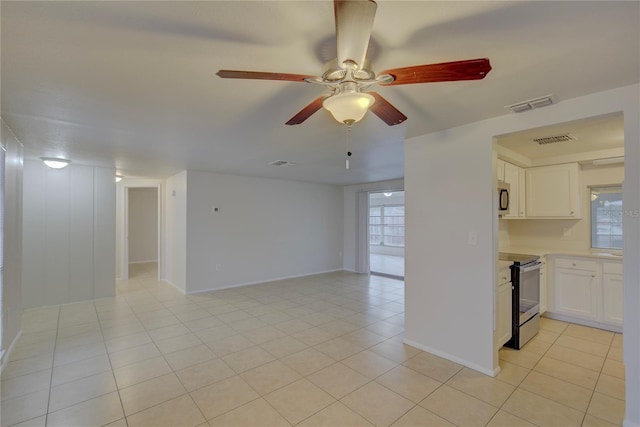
x: 350, y: 75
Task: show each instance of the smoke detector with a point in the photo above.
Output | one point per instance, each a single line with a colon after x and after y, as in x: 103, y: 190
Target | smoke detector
x: 281, y: 163
x: 530, y: 104
x: 555, y: 138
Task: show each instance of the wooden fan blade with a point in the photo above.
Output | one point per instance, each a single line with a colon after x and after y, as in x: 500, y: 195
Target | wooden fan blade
x: 387, y: 112
x: 259, y: 75
x: 307, y: 111
x: 473, y: 69
x: 354, y: 21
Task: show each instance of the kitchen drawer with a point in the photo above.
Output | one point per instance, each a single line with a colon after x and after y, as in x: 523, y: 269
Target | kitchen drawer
x: 576, y: 264
x: 612, y: 268
x: 504, y: 276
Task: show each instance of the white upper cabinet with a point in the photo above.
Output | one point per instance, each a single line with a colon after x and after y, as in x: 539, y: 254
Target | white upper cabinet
x: 515, y: 176
x: 553, y: 191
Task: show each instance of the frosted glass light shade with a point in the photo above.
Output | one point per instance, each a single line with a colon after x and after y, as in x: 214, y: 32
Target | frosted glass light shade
x: 55, y: 163
x: 119, y: 178
x: 348, y: 107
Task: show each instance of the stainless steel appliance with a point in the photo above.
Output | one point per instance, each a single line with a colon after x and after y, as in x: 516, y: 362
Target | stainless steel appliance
x: 525, y: 278
x: 503, y: 197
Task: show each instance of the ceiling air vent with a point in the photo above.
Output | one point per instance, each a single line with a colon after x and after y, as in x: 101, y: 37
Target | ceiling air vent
x: 530, y: 104
x: 281, y: 163
x: 556, y: 138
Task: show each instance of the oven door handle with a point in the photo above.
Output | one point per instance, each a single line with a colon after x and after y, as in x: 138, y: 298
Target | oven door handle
x: 533, y: 267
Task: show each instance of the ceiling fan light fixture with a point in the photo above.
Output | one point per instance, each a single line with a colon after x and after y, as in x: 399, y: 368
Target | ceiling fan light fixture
x: 348, y: 107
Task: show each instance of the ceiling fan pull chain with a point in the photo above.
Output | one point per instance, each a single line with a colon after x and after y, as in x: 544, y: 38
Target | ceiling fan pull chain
x: 347, y: 145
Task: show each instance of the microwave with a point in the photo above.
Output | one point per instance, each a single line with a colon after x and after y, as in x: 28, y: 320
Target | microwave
x: 503, y: 198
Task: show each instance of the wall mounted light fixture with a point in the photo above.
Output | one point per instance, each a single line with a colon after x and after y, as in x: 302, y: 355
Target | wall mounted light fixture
x: 55, y: 163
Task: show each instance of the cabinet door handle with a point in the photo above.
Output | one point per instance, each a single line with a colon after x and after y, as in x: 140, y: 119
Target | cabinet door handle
x: 571, y: 213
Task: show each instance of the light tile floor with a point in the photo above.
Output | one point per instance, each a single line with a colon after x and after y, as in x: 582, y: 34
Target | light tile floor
x: 386, y: 264
x: 324, y: 350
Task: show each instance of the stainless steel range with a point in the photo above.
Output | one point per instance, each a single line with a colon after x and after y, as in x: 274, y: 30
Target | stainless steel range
x: 525, y: 278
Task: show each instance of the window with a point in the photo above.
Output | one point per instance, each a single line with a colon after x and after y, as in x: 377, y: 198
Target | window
x: 606, y: 217
x: 386, y: 225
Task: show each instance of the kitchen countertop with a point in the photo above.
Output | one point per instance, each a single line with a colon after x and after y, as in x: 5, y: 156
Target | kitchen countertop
x: 587, y: 254
x: 503, y: 265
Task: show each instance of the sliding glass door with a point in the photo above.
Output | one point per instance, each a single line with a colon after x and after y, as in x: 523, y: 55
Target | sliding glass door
x: 386, y: 233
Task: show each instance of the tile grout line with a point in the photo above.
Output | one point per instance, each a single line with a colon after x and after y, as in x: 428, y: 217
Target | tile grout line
x: 533, y: 368
x: 124, y: 414
x: 241, y: 297
x: 529, y: 373
x: 55, y: 346
x: 596, y: 385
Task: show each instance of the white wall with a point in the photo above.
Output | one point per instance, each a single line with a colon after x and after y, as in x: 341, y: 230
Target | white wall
x: 143, y: 225
x: 175, y: 230
x: 69, y: 234
x: 350, y: 203
x: 265, y: 229
x: 549, y: 234
x: 12, y: 238
x: 450, y: 284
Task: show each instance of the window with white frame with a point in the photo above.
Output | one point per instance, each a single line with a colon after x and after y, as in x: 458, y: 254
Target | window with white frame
x: 386, y: 225
x: 606, y: 217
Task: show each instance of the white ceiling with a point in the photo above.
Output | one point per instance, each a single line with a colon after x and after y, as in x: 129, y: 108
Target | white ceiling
x: 593, y: 135
x: 133, y: 84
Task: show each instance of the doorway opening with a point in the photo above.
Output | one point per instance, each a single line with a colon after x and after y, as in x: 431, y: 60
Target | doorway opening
x: 141, y: 243
x: 386, y: 233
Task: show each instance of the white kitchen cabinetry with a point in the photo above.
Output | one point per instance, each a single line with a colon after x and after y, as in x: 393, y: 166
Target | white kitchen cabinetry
x: 586, y: 291
x: 543, y: 284
x: 553, y: 191
x: 515, y: 177
x: 575, y: 288
x: 504, y: 307
x: 612, y: 292
x: 500, y: 170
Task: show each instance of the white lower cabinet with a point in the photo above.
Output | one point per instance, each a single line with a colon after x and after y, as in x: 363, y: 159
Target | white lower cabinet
x: 575, y: 292
x: 543, y: 285
x: 587, y: 292
x: 504, y: 313
x: 612, y: 294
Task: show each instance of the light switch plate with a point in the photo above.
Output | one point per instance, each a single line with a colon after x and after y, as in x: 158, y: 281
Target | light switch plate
x: 472, y: 238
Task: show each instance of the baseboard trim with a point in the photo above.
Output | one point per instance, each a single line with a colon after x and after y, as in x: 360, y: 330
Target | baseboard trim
x: 275, y: 279
x: 144, y: 262
x: 182, y: 291
x: 579, y: 321
x: 464, y: 362
x: 7, y: 354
